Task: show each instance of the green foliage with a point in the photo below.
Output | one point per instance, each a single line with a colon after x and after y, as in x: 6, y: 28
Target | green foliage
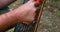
x: 58, y: 13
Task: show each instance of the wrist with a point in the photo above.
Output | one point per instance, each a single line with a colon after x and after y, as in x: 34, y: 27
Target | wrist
x: 12, y: 16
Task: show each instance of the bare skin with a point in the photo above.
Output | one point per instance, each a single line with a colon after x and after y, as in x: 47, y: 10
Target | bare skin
x: 24, y: 13
x: 5, y: 3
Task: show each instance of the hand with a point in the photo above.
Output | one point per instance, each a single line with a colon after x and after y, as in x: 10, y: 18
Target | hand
x: 26, y: 12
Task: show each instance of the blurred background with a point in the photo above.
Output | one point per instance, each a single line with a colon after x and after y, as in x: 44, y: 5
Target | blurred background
x: 50, y: 20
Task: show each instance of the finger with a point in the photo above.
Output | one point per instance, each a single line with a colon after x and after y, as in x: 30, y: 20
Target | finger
x: 37, y: 4
x: 31, y: 0
x: 33, y: 10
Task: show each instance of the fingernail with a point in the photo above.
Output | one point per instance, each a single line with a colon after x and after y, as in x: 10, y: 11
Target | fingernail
x: 36, y: 4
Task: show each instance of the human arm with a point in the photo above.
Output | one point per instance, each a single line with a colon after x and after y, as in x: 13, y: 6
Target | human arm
x: 24, y: 13
x: 5, y: 3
